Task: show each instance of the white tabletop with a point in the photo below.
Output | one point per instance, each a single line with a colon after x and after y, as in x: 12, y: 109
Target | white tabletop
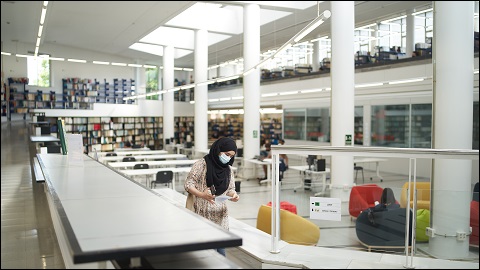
x: 152, y: 163
x: 131, y: 149
x: 142, y: 157
x: 44, y: 138
x: 139, y: 152
x: 106, y: 216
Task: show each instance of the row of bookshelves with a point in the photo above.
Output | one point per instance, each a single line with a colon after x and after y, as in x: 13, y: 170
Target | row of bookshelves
x: 114, y: 131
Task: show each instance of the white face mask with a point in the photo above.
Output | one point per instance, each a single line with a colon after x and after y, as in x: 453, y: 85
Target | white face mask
x: 224, y: 158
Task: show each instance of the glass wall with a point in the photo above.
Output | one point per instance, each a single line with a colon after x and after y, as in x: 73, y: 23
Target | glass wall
x: 318, y: 125
x: 390, y: 125
x: 358, y: 128
x: 294, y: 124
x: 421, y: 124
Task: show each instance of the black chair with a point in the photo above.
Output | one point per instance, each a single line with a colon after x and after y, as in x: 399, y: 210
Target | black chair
x: 358, y: 168
x: 54, y: 149
x: 142, y: 166
x: 129, y: 159
x: 163, y: 177
x: 111, y: 154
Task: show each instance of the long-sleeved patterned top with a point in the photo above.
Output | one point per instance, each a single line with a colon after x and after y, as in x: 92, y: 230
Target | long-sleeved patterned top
x: 217, y: 212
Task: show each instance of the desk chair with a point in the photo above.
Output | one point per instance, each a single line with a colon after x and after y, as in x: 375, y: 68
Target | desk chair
x: 111, y: 155
x: 129, y: 159
x: 162, y: 177
x: 358, y: 168
x: 142, y: 166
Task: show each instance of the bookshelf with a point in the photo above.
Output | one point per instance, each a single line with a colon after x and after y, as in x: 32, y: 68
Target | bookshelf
x: 108, y: 133
x: 78, y: 93
x: 18, y: 101
x: 4, y: 98
x: 229, y: 125
x: 184, y: 128
x: 271, y: 126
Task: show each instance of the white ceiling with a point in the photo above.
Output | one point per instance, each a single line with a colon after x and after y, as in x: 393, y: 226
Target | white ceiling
x: 112, y: 27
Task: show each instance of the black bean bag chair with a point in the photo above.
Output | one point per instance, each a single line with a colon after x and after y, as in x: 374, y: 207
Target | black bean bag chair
x: 384, y: 229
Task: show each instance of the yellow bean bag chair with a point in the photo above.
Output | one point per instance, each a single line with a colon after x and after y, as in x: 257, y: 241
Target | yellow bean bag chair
x: 294, y: 229
x: 423, y: 195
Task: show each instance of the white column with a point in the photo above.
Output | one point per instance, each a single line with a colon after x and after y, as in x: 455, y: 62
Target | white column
x: 342, y: 101
x: 251, y: 82
x: 452, y: 127
x: 140, y: 78
x: 410, y: 33
x: 475, y: 20
x: 160, y: 78
x: 316, y: 56
x: 374, y: 42
x: 168, y: 78
x: 367, y: 130
x: 201, y: 91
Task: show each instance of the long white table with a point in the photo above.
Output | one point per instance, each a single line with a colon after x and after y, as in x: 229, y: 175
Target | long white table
x: 267, y: 162
x: 97, y: 217
x: 304, y: 169
x: 131, y: 149
x: 370, y: 160
x: 141, y: 157
x: 138, y: 152
x: 153, y: 171
x: 152, y: 163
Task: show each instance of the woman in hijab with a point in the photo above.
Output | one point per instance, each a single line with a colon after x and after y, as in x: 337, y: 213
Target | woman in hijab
x: 212, y: 176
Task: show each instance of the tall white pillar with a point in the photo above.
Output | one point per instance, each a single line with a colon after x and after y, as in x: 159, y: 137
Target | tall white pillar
x: 140, y: 78
x: 367, y: 130
x: 475, y: 20
x: 201, y: 91
x: 251, y: 82
x: 410, y: 33
x: 452, y: 127
x: 343, y: 95
x: 168, y: 78
x: 374, y: 42
x: 316, y: 56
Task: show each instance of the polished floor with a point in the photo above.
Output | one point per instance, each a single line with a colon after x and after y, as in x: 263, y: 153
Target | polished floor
x: 28, y: 237
x: 29, y: 241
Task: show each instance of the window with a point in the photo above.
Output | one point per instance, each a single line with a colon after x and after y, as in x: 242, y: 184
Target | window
x: 38, y: 69
x: 152, y: 82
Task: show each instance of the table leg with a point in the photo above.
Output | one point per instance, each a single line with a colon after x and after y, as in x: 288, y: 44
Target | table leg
x: 269, y: 174
x: 324, y: 183
x: 302, y: 180
x: 377, y: 164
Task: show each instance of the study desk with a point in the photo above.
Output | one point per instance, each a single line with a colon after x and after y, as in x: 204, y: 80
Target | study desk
x: 305, y: 170
x: 33, y: 149
x: 138, y: 152
x: 266, y: 161
x: 370, y: 160
x: 131, y: 149
x: 153, y: 171
x: 141, y: 157
x: 153, y: 163
x: 100, y: 215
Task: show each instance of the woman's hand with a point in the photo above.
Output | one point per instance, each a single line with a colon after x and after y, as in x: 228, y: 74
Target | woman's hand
x: 235, y: 198
x: 207, y: 195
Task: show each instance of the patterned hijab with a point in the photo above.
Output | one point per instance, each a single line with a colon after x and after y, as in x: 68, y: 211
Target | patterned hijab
x: 218, y: 174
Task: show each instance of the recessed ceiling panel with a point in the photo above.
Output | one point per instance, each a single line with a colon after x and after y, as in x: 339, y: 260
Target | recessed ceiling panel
x: 283, y: 4
x: 179, y: 37
x: 211, y: 17
x: 158, y: 50
x: 266, y: 15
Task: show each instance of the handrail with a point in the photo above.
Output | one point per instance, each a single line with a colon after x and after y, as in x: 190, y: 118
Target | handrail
x: 409, y: 153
